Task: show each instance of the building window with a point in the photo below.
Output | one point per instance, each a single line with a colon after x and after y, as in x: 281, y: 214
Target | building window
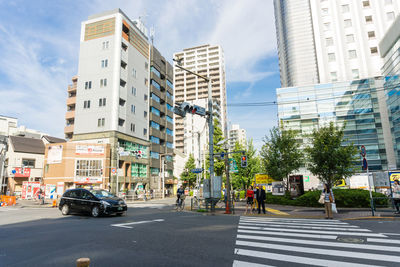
x: 169, y: 132
x: 155, y: 140
x: 355, y: 73
x: 155, y: 84
x: 334, y: 76
x: 169, y: 145
x: 133, y: 109
x: 374, y: 50
x: 155, y: 111
x: 347, y: 23
x: 352, y: 54
x: 102, y: 102
x: 133, y: 91
x: 145, y: 114
x: 28, y: 163
x: 106, y: 45
x: 169, y: 119
x: 170, y: 96
x: 331, y: 57
x: 169, y: 107
x: 371, y: 35
x: 155, y: 97
x: 170, y: 85
x: 345, y: 8
x: 103, y: 82
x: 86, y: 104
x: 100, y: 122
x: 146, y: 81
x: 368, y: 19
x: 104, y: 63
x: 327, y: 26
x: 145, y: 97
x: 154, y: 125
x: 350, y: 38
x: 390, y: 15
x: 89, y: 168
x: 366, y: 3
x: 329, y: 41
x: 155, y: 71
x: 144, y: 131
x: 325, y: 11
x: 154, y: 155
x: 134, y: 73
x: 121, y: 122
x: 132, y: 127
x: 88, y: 85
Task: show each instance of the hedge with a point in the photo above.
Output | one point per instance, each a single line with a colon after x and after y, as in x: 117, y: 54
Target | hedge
x: 345, y: 198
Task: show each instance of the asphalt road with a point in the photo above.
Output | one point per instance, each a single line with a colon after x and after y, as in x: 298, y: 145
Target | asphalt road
x: 43, y: 237
x: 156, y: 235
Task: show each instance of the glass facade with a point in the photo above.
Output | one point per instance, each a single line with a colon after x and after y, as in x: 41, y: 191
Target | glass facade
x: 155, y: 84
x: 138, y: 170
x: 392, y: 92
x: 134, y: 148
x: 353, y: 104
x: 155, y: 71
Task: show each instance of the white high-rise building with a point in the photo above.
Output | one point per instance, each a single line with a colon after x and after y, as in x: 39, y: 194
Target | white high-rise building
x: 208, y: 61
x: 324, y: 41
x: 236, y: 135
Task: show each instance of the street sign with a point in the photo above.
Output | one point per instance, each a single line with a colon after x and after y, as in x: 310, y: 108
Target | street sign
x: 233, y: 166
x: 363, y: 151
x: 365, y: 164
x: 113, y: 170
x: 197, y: 170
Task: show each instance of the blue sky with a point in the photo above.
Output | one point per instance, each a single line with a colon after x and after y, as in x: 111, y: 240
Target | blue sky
x: 39, y: 51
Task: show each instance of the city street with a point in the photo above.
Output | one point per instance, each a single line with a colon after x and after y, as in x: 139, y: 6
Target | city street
x: 153, y: 234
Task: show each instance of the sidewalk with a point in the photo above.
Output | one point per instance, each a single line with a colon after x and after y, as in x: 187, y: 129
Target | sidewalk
x: 273, y: 210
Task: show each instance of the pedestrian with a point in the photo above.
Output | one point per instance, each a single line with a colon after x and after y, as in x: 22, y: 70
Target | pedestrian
x: 260, y: 195
x: 249, y: 199
x: 328, y: 200
x: 396, y: 195
x: 255, y: 199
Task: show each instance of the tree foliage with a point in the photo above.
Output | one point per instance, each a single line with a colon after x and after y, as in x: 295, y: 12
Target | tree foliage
x: 281, y: 154
x: 327, y: 158
x: 244, y: 176
x: 219, y: 164
x: 187, y: 175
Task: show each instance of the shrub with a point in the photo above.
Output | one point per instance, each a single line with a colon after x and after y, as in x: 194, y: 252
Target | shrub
x: 191, y: 193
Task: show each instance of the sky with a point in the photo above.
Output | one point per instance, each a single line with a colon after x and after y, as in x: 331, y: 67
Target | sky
x: 39, y: 53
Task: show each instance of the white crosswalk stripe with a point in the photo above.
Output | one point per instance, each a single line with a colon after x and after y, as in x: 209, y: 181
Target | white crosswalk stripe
x: 285, y: 241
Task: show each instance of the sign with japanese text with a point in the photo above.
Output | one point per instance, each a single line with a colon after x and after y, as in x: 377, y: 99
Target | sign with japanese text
x: 22, y: 172
x: 54, y: 154
x: 263, y: 179
x: 89, y: 150
x: 88, y: 180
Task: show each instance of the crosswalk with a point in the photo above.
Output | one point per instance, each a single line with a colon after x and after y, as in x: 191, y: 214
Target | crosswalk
x: 311, y: 242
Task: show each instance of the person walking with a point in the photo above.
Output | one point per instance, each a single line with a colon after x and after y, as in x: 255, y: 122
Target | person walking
x: 249, y: 199
x: 329, y: 198
x: 260, y: 199
x: 396, y: 195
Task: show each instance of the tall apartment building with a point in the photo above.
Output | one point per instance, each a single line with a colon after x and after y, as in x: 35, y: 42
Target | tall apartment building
x: 208, y: 61
x: 325, y: 41
x: 236, y: 135
x: 70, y: 114
x: 123, y: 98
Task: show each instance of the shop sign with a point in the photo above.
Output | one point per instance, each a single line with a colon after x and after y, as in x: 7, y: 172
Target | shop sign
x: 88, y: 180
x: 263, y: 179
x: 22, y: 172
x: 89, y: 150
x: 394, y: 176
x: 60, y: 188
x: 54, y: 154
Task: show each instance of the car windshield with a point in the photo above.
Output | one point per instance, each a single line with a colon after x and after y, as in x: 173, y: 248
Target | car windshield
x: 102, y: 193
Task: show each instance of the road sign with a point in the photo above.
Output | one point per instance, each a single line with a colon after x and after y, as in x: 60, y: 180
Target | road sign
x: 197, y: 170
x: 233, y: 166
x: 113, y: 170
x: 365, y: 164
x: 363, y: 151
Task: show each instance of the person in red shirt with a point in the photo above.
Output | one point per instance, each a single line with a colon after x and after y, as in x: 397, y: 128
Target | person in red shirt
x: 249, y: 198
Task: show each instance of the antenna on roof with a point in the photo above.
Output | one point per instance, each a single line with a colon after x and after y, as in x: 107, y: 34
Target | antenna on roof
x: 152, y: 33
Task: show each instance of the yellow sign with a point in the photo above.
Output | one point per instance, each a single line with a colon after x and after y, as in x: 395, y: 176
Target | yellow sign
x: 263, y: 179
x: 394, y: 176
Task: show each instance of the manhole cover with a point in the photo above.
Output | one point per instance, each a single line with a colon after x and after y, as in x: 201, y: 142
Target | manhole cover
x: 350, y: 239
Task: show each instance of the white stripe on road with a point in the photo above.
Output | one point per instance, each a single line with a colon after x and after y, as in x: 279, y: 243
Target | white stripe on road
x: 319, y: 243
x: 380, y: 240
x: 340, y: 253
x: 248, y: 264
x: 307, y: 227
x: 324, y: 221
x: 296, y: 259
x: 311, y: 231
x: 390, y: 234
x: 288, y: 234
x: 307, y: 224
x: 124, y: 225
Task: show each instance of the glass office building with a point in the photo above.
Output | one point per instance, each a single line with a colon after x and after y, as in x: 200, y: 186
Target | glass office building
x: 392, y: 92
x: 357, y: 104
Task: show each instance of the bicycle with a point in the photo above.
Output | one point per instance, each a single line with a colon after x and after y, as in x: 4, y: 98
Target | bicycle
x: 180, y: 205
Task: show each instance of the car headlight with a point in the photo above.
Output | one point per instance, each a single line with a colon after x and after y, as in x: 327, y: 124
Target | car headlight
x: 121, y: 202
x: 105, y: 203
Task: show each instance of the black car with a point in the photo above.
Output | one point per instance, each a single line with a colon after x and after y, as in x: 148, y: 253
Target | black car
x: 96, y: 202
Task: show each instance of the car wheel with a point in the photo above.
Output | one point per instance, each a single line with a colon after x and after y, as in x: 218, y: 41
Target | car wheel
x: 95, y: 211
x: 120, y: 213
x: 65, y: 209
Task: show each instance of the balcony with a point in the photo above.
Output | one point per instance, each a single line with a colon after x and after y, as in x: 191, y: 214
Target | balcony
x: 69, y: 115
x: 69, y: 129
x: 71, y: 88
x: 71, y: 100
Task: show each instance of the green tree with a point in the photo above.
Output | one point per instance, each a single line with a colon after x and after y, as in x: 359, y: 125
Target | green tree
x: 328, y: 158
x: 245, y: 175
x: 187, y: 175
x: 281, y: 154
x: 219, y: 164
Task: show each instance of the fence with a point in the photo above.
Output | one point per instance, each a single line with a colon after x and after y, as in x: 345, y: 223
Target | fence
x: 7, y: 200
x: 383, y: 204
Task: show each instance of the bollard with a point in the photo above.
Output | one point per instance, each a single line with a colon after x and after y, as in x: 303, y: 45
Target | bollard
x: 54, y: 203
x: 83, y: 262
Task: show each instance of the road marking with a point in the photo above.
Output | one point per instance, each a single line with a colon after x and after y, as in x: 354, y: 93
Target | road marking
x: 248, y: 264
x: 288, y: 234
x: 389, y: 234
x: 124, y: 225
x: 277, y: 212
x: 307, y: 227
x: 315, y: 242
x: 309, y: 224
x: 311, y: 231
x: 294, y: 220
x: 296, y: 259
x: 379, y: 240
x: 340, y: 253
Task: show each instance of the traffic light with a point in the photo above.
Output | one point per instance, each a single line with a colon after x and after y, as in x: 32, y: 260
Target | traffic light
x: 186, y: 107
x: 244, y: 161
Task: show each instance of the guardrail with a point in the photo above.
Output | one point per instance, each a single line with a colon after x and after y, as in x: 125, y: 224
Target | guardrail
x: 385, y: 204
x: 204, y: 204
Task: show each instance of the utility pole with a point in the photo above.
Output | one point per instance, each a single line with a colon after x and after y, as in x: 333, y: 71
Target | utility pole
x: 117, y: 167
x: 228, y: 183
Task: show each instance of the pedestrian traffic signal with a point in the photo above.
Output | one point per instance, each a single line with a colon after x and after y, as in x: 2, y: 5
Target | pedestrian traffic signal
x: 186, y: 107
x: 244, y: 161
